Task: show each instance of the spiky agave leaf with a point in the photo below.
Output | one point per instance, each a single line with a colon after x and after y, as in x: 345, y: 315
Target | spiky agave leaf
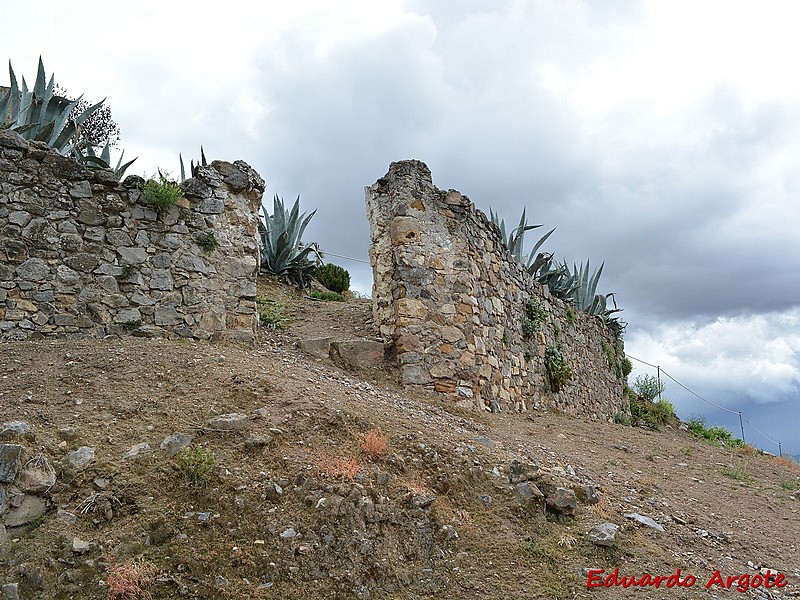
x: 515, y: 240
x: 39, y: 114
x: 282, y: 251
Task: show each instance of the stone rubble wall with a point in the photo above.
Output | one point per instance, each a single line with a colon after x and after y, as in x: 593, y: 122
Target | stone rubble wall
x: 449, y: 300
x: 82, y: 255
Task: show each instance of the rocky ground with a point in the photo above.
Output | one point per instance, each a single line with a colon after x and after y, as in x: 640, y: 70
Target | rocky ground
x: 98, y: 500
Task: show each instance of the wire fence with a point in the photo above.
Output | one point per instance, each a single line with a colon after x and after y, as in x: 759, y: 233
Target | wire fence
x: 742, y: 418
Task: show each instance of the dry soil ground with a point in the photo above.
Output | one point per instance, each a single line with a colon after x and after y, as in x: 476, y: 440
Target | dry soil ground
x: 434, y: 516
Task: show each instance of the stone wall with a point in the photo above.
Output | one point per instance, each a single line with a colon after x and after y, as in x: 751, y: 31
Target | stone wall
x: 82, y: 255
x: 450, y: 303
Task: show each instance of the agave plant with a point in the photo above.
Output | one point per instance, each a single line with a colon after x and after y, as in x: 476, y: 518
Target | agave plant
x: 39, y: 114
x: 192, y: 166
x: 282, y: 251
x: 88, y: 157
x: 515, y: 240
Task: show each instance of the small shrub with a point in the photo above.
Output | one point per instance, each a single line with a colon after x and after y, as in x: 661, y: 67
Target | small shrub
x: 333, y: 277
x: 558, y: 371
x: 271, y: 313
x: 620, y: 418
x: 658, y: 413
x: 506, y: 338
x: 327, y: 296
x: 132, y: 325
x: 195, y: 463
x: 207, y: 242
x: 571, y: 315
x: 375, y: 443
x: 648, y: 387
x: 161, y: 193
x: 556, y: 331
x: 131, y: 579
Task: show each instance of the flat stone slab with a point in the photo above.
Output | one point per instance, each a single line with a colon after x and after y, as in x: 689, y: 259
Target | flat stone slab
x: 359, y: 354
x: 644, y: 521
x: 30, y: 509
x: 229, y: 422
x: 319, y: 347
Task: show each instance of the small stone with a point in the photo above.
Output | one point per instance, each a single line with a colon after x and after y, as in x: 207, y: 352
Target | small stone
x: 604, y: 534
x: 288, y: 533
x: 13, y: 429
x: 529, y: 495
x: 221, y: 582
x: 10, y: 591
x: 137, y: 450
x: 80, y: 546
x: 229, y: 422
x: 102, y: 483
x: 174, y: 443
x: 485, y: 441
x: 65, y: 517
x: 203, y: 516
x: 81, y: 457
x: 485, y: 499
x: 258, y: 440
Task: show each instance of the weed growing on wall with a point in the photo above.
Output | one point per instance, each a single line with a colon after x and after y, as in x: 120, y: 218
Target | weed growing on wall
x: 161, y: 193
x: 535, y: 314
x: 558, y: 371
x: 207, y: 242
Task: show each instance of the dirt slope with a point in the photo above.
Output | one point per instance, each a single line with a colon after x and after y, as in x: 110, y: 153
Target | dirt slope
x: 294, y: 508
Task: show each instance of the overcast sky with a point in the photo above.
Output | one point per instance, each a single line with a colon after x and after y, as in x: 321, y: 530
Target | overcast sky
x: 660, y: 137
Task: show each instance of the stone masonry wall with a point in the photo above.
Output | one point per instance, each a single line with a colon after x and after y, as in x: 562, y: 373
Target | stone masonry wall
x: 449, y: 300
x: 82, y: 255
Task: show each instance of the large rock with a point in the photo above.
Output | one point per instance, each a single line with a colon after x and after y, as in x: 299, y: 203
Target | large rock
x: 604, y: 534
x: 37, y: 476
x: 562, y: 501
x: 81, y: 457
x: 10, y: 462
x: 360, y: 354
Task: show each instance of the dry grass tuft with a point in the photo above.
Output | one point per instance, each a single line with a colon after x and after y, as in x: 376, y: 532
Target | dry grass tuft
x: 374, y: 443
x: 786, y: 461
x: 131, y: 579
x: 339, y: 467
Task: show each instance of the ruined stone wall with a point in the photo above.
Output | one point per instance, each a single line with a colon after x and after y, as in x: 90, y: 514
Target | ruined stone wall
x: 450, y: 303
x: 82, y: 255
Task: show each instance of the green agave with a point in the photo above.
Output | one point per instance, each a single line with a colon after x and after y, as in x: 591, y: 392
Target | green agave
x: 39, y: 114
x: 282, y: 251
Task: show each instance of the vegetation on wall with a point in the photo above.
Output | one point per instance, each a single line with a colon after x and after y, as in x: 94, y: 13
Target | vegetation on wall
x: 558, y: 371
x: 161, y: 193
